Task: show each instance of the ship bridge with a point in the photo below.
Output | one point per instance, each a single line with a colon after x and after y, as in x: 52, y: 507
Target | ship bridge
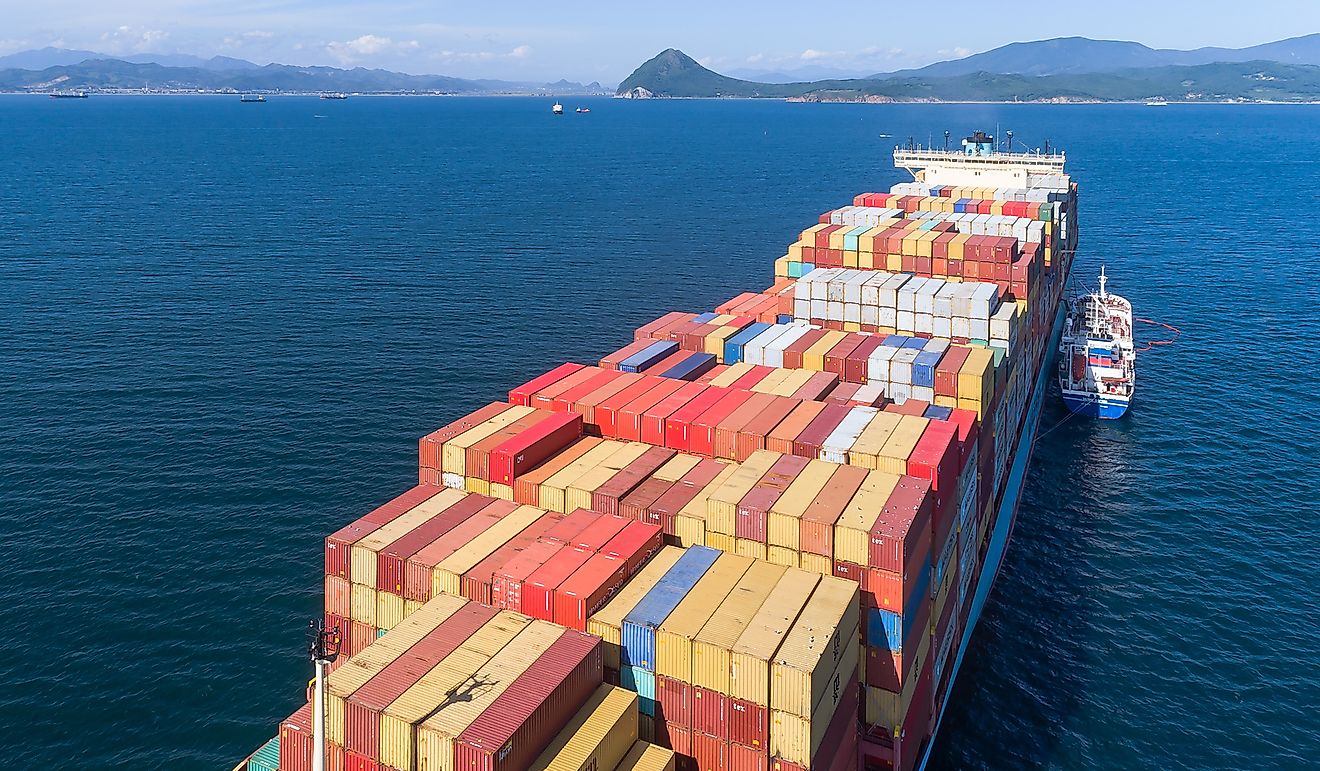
x: 979, y: 163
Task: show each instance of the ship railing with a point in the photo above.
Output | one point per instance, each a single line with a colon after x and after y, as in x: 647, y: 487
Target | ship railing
x: 1052, y: 162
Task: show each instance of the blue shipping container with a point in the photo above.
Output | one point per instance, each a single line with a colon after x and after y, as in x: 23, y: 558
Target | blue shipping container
x: 936, y: 412
x: 637, y: 637
x: 887, y: 629
x: 734, y: 345
x: 795, y: 270
x: 692, y: 367
x: 267, y: 758
x: 642, y: 683
x: 649, y: 355
x: 895, y: 341
x: 915, y: 343
x: 705, y: 318
x: 923, y: 368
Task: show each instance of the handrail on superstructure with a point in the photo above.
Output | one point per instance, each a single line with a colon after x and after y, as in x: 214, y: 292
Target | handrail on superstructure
x: 1052, y: 162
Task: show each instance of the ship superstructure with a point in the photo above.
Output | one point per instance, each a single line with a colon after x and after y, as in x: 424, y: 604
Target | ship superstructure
x: 1097, y: 358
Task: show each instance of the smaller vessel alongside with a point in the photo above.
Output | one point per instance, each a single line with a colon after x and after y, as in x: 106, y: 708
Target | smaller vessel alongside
x: 1097, y: 360
x: 558, y: 108
x: 252, y: 98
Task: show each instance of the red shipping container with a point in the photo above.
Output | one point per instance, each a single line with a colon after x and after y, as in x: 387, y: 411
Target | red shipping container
x: 636, y: 505
x: 417, y: 569
x: 360, y: 635
x: 780, y: 439
x: 392, y: 559
x: 533, y: 446
x: 710, y: 712
x: 599, y: 531
x: 635, y: 545
x: 965, y: 421
x: 538, y: 589
x: 543, y: 398
x: 838, y: 749
x: 627, y: 422
x: 339, y: 543
x: 747, y: 759
x: 678, y: 425
x: 817, y: 524
x: 586, y: 403
x: 753, y: 511
x: 507, y: 580
x: 807, y: 444
x: 522, y: 394
x: 793, y: 353
x: 935, y: 458
x: 823, y: 236
x: 915, y: 407
x: 607, y: 412
x: 527, y: 487
x: 817, y: 386
x: 855, y: 365
x: 701, y: 431
x: 680, y: 494
x: 752, y: 436
x: 756, y: 374
x: 749, y: 724
x: 519, y: 724
x: 726, y: 432
x: 588, y: 589
x: 338, y: 596
x: 946, y: 372
x: 567, y: 399
x: 710, y: 752
x: 354, y: 761
x: 478, y: 584
x: 680, y: 739
x: 843, y: 393
x: 836, y: 357
x: 476, y: 461
x: 362, y: 709
x: 428, y: 447
x: 296, y: 740
x: 644, y: 331
x: 673, y: 701
x: 652, y: 421
x: 605, y: 498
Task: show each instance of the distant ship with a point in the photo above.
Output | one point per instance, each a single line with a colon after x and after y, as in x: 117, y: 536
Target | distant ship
x: 252, y: 98
x: 334, y: 96
x: 558, y: 109
x: 1157, y: 103
x: 1097, y: 362
x: 583, y: 109
x: 68, y: 95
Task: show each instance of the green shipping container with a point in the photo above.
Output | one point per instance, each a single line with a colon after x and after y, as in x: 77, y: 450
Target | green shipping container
x: 267, y: 758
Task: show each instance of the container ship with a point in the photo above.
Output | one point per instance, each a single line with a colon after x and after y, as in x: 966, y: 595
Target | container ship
x: 753, y: 538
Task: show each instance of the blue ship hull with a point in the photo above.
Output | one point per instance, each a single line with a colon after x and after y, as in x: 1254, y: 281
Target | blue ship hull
x: 1005, y: 518
x: 1103, y: 407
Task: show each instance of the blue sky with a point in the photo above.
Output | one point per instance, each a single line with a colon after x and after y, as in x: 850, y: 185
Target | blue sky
x: 605, y: 41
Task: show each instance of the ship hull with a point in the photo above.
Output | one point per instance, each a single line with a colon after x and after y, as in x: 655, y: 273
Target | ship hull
x: 1005, y: 518
x: 1091, y: 406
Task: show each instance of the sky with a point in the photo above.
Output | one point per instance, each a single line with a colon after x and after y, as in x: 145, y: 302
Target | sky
x: 585, y: 41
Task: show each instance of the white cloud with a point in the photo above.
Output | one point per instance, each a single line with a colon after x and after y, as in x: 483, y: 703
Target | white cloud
x: 131, y: 40
x: 812, y: 55
x: 520, y: 52
x: 354, y: 50
x: 954, y: 53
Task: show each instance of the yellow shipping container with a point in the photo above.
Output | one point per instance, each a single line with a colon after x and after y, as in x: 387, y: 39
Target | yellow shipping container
x: 715, y: 341
x: 850, y: 259
x: 411, y: 606
x: 793, y: 381
x: 689, y: 531
x: 924, y: 242
x: 809, y: 235
x: 606, y: 622
x: 816, y: 563
x: 362, y: 604
x: 814, y: 646
x: 435, y: 736
x: 552, y: 495
x: 673, y: 638
x: 389, y: 610
x: 852, y: 326
x: 976, y: 377
x: 578, y: 494
x: 852, y: 531
x: 866, y: 260
x: 766, y: 385
x: 676, y: 468
x: 749, y: 669
x: 501, y: 491
x: 893, y: 263
x: 894, y: 455
x: 721, y: 541
x: 781, y: 264
x: 887, y: 708
x: 781, y: 555
x: 712, y: 649
x: 735, y: 371
x: 475, y: 485
x: 865, y: 450
x: 814, y: 357
x: 648, y: 757
x: 946, y: 401
x: 797, y: 738
x: 784, y: 520
x: 362, y: 555
x: 398, y: 721
x: 722, y: 503
x: 598, y: 737
x: 355, y: 672
x: 957, y: 246
x: 453, y: 454
x: 749, y: 548
x: 447, y: 575
x: 836, y: 238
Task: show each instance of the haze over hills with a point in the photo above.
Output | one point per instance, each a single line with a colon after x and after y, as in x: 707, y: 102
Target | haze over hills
x: 671, y: 73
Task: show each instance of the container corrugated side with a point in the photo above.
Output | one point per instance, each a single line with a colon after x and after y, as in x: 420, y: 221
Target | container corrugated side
x: 606, y: 623
x: 447, y: 575
x: 436, y: 735
x: 638, y: 629
x: 797, y: 738
x: 673, y: 637
x: 852, y: 531
x: 783, y: 525
x: 398, y: 721
x: 599, y: 736
x: 362, y: 568
x: 722, y: 503
x: 749, y: 672
x: 814, y: 646
x: 712, y: 647
x: 645, y: 756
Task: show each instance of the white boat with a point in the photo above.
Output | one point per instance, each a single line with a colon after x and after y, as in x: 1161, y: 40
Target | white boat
x: 1157, y: 103
x: 1097, y: 360
x: 252, y: 98
x: 583, y: 109
x: 558, y: 109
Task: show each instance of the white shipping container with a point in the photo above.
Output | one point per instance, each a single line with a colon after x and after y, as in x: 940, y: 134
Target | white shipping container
x: 899, y: 392
x: 852, y: 290
x: 941, y: 327
x: 936, y: 344
x: 852, y: 312
x: 833, y: 310
x: 889, y: 291
x: 978, y: 329
x: 774, y: 352
x: 961, y: 327
x: 877, y: 366
x: 801, y: 308
x: 924, y: 393
x: 888, y: 317
x: 944, y: 300
x: 835, y: 447
x: 922, y: 323
x: 450, y: 479
x: 754, y: 349
x: 818, y: 309
x: 900, y: 369
x: 906, y: 323
x: 870, y: 393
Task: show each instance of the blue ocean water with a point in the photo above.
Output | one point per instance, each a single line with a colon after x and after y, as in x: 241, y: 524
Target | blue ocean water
x: 223, y: 327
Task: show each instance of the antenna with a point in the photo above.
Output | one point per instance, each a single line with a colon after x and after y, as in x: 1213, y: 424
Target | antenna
x: 322, y: 649
x: 946, y: 140
x: 1009, y: 134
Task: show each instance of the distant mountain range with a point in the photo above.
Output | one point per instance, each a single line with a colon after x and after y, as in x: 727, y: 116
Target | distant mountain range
x: 51, y: 69
x: 1063, y: 70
